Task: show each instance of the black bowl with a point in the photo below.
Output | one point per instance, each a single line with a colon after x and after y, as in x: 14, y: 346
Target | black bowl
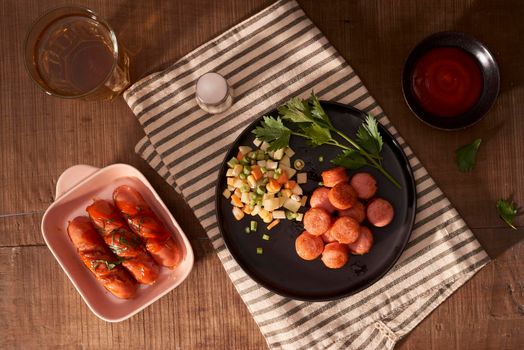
x: 487, y: 65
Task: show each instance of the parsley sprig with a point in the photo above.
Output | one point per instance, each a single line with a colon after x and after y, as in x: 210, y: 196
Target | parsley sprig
x: 507, y: 210
x: 312, y: 123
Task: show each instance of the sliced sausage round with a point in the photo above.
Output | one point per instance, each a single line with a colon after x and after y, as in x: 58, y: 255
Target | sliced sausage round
x: 357, y: 212
x: 335, y: 255
x: 333, y: 176
x: 343, y: 196
x: 379, y: 212
x: 308, y: 247
x: 319, y: 199
x: 365, y: 185
x: 317, y: 221
x: 327, y: 237
x: 345, y: 230
x: 364, y: 242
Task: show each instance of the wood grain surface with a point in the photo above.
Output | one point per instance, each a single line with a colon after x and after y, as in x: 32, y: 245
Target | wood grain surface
x: 40, y: 136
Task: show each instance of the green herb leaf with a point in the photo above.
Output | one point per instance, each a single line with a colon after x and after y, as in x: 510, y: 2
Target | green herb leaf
x: 318, y: 112
x: 317, y: 135
x: 466, y: 155
x: 109, y: 264
x: 507, y: 211
x: 368, y: 136
x: 274, y: 132
x: 296, y: 110
x: 349, y: 159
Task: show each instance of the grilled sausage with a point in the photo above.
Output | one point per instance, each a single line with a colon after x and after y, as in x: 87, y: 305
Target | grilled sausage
x: 99, y: 259
x: 364, y: 242
x: 123, y: 242
x: 357, y: 212
x: 364, y: 184
x: 333, y: 176
x: 319, y: 199
x: 317, y: 221
x: 144, y: 222
x: 343, y: 196
x: 379, y: 212
x: 327, y: 237
x: 309, y: 247
x: 345, y: 230
x: 335, y: 255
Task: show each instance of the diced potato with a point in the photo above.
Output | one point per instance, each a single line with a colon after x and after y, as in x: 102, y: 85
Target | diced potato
x: 279, y: 214
x: 271, y: 204
x: 246, y: 197
x: 238, y: 183
x: 301, y: 178
x: 266, y: 196
x: 289, y: 152
x: 264, y: 146
x: 264, y: 214
x: 231, y: 188
x: 226, y: 193
x: 257, y: 142
x: 286, y: 193
x: 297, y: 190
x: 270, y: 174
x: 286, y: 161
x: 244, y: 149
x: 238, y: 193
x: 292, y: 205
x: 238, y: 213
x: 229, y: 173
x: 295, y: 197
x: 299, y: 217
x: 261, y: 163
x: 256, y: 210
x: 247, y: 209
x: 290, y: 171
x: 251, y: 181
x: 303, y: 201
x: 230, y: 181
x: 279, y: 153
x: 271, y: 165
x: 282, y: 200
x: 237, y: 170
x: 268, y: 219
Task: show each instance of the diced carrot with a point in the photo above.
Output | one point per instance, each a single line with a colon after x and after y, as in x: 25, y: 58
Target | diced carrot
x: 256, y: 172
x: 283, y: 178
x: 247, y: 209
x: 273, y: 224
x: 273, y: 186
x: 290, y: 184
x: 240, y: 156
x: 235, y: 200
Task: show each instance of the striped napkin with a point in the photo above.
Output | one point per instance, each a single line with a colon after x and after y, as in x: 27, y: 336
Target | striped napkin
x: 274, y: 55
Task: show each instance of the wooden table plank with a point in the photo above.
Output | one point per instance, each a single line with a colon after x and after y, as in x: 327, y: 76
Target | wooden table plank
x: 41, y: 136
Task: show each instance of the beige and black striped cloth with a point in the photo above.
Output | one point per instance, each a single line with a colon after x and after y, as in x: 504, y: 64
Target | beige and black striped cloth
x: 274, y: 55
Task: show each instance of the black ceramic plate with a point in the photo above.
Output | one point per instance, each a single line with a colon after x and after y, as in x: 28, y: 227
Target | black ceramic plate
x: 487, y: 64
x: 279, y: 268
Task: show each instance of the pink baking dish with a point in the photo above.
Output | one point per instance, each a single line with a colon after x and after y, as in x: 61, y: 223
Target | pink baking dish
x: 75, y: 190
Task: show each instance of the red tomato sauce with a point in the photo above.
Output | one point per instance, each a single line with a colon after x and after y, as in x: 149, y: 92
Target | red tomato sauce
x: 446, y: 81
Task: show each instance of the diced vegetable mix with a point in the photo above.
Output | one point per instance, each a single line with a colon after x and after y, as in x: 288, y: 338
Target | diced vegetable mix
x: 262, y: 182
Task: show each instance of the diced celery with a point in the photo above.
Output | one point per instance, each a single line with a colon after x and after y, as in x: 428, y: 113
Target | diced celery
x: 290, y: 216
x: 299, y: 216
x: 253, y: 226
x: 244, y: 188
x: 245, y: 161
x: 260, y: 251
x: 265, y: 237
x: 261, y: 155
x: 247, y: 170
x: 299, y: 164
x: 247, y: 230
x: 242, y: 176
x: 261, y: 189
x: 232, y: 162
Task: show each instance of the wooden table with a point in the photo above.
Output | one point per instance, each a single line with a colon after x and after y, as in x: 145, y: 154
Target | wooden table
x: 40, y: 136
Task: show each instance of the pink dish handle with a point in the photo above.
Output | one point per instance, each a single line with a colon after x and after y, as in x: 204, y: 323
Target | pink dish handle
x: 73, y: 176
